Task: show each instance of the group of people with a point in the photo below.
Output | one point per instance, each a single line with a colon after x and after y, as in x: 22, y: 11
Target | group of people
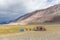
x: 38, y: 28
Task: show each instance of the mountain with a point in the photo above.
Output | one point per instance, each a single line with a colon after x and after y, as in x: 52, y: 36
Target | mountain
x: 48, y: 15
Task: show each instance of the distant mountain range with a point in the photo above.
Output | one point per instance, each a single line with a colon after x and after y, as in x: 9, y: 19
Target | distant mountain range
x: 49, y: 15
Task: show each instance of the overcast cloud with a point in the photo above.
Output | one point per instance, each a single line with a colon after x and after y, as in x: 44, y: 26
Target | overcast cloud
x: 12, y: 9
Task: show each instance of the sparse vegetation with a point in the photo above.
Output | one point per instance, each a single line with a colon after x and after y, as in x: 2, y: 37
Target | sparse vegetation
x: 5, y: 29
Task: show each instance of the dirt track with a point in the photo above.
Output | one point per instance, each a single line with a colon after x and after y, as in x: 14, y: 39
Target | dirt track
x: 32, y: 36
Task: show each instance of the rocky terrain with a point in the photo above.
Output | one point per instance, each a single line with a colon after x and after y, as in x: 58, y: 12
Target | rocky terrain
x: 49, y: 15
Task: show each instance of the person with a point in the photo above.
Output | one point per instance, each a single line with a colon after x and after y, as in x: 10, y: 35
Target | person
x: 39, y: 28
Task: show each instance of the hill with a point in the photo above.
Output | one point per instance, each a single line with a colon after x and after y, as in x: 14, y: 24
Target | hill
x: 49, y: 15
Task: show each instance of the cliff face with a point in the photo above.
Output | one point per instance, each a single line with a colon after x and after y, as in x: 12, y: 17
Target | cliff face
x: 51, y: 14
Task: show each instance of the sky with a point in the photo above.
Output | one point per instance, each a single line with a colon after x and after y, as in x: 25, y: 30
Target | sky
x: 12, y: 9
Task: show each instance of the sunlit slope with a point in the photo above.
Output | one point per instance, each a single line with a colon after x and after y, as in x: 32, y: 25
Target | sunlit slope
x: 48, y: 15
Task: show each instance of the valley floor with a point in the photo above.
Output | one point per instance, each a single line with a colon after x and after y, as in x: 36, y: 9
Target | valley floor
x: 46, y: 35
x: 12, y: 32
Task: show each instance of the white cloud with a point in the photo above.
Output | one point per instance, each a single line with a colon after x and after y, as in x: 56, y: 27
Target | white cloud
x: 14, y: 8
x: 34, y: 4
x: 29, y: 5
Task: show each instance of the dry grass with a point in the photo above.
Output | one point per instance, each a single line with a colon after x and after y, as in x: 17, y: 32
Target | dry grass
x: 52, y: 32
x: 42, y: 35
x: 6, y: 29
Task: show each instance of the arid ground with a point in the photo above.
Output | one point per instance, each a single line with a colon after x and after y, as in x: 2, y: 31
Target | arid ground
x: 12, y: 32
x: 48, y: 35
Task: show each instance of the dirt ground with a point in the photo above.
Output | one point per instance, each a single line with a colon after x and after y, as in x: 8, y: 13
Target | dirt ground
x: 41, y: 35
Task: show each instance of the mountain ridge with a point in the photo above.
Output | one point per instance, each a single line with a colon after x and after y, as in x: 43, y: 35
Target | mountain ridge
x: 41, y: 16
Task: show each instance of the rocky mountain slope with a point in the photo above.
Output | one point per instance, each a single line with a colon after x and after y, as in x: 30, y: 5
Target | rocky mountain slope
x: 49, y: 15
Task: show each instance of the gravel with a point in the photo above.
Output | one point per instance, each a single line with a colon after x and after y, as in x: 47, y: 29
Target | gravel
x: 40, y: 35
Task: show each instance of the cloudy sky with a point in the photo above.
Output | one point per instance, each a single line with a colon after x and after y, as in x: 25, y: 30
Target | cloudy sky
x: 12, y: 9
